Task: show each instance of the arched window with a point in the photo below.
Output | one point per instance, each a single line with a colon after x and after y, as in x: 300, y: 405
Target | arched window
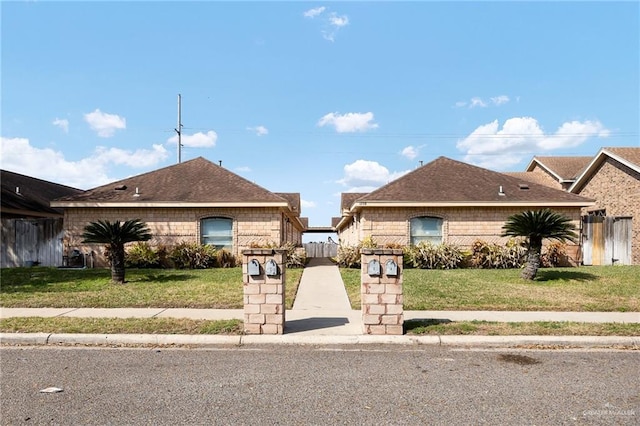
x: 217, y: 231
x: 426, y: 229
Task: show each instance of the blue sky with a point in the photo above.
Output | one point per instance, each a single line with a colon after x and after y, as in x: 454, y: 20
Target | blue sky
x: 318, y: 98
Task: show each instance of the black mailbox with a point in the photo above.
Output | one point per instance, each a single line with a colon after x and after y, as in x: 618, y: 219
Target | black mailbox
x: 253, y: 267
x: 374, y: 268
x: 271, y: 268
x: 391, y: 268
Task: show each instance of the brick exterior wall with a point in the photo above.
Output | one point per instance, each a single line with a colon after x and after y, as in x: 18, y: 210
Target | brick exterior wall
x: 616, y: 188
x: 546, y: 178
x: 461, y: 225
x: 170, y: 226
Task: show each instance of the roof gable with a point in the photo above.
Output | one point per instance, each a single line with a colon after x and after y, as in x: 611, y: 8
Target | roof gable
x: 195, y: 181
x: 29, y: 194
x: 562, y: 168
x: 629, y: 156
x: 449, y: 181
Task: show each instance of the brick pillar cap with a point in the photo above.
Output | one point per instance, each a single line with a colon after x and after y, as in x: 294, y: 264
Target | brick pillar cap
x: 381, y: 251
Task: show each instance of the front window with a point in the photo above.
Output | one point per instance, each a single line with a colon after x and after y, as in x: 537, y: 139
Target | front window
x: 426, y: 229
x: 217, y: 231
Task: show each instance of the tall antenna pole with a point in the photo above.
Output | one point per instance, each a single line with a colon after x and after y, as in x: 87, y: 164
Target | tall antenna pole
x: 179, y: 128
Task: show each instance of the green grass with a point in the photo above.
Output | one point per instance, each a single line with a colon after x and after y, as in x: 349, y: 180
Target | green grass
x: 587, y: 288
x: 541, y: 328
x: 158, y: 288
x: 120, y: 326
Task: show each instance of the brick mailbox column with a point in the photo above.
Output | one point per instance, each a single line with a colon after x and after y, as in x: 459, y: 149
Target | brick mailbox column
x: 381, y: 291
x: 263, y: 277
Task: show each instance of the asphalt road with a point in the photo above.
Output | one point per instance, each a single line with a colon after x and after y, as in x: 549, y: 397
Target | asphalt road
x: 300, y: 385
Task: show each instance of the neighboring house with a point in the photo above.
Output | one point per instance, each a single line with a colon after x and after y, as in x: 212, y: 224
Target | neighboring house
x: 612, y: 178
x: 611, y: 227
x: 452, y: 202
x: 31, y: 228
x: 556, y: 172
x: 194, y: 201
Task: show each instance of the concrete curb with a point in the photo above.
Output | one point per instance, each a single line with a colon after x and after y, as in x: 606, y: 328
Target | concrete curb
x: 42, y: 339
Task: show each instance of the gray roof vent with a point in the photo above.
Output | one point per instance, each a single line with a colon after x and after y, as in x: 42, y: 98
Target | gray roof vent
x: 120, y: 188
x: 501, y: 191
x: 523, y: 186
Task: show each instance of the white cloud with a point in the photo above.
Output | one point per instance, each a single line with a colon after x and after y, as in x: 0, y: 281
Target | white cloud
x: 196, y: 140
x: 477, y: 102
x: 312, y: 13
x: 410, y: 152
x: 331, y: 23
x: 20, y: 156
x: 307, y: 204
x: 490, y: 146
x: 61, y: 123
x: 481, y: 103
x: 349, y: 122
x: 259, y: 130
x: 574, y: 133
x: 500, y: 100
x: 364, y: 176
x: 338, y: 21
x: 141, y: 158
x: 105, y: 125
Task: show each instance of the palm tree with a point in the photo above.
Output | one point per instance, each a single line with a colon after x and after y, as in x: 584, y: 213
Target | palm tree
x: 536, y: 226
x: 115, y: 236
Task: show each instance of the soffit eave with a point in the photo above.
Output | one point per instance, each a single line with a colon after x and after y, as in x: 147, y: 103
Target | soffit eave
x: 367, y: 204
x: 75, y: 204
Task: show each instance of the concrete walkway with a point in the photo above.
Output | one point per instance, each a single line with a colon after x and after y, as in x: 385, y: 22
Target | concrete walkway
x: 322, y: 306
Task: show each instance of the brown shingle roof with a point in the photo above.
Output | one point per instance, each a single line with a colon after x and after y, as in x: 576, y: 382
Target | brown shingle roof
x: 348, y: 198
x: 566, y: 168
x: 450, y: 181
x: 194, y: 181
x: 335, y: 221
x: 35, y: 194
x: 631, y: 154
x: 528, y: 177
x: 294, y: 200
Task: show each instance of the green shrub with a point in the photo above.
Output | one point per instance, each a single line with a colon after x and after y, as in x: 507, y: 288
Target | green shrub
x: 193, y: 256
x: 224, y: 259
x: 494, y: 256
x: 141, y: 255
x: 294, y: 256
x: 368, y: 242
x: 348, y: 256
x: 555, y: 254
x: 426, y: 255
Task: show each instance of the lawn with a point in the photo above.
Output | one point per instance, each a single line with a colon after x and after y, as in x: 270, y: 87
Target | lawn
x: 586, y: 288
x: 156, y: 288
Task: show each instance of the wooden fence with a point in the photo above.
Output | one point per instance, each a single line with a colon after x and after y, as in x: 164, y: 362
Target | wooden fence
x: 606, y: 240
x: 321, y: 249
x: 28, y: 242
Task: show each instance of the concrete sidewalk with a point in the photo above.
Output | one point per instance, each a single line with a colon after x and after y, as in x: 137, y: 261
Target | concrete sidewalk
x: 322, y: 312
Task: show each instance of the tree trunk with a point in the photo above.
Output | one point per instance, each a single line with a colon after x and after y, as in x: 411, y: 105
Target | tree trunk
x: 117, y: 264
x: 533, y: 261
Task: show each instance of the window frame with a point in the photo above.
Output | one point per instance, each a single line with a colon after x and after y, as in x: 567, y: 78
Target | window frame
x: 205, y: 239
x: 435, y: 238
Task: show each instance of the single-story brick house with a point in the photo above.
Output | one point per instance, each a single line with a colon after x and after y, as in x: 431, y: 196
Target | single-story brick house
x: 193, y: 201
x: 449, y: 201
x: 612, y: 179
